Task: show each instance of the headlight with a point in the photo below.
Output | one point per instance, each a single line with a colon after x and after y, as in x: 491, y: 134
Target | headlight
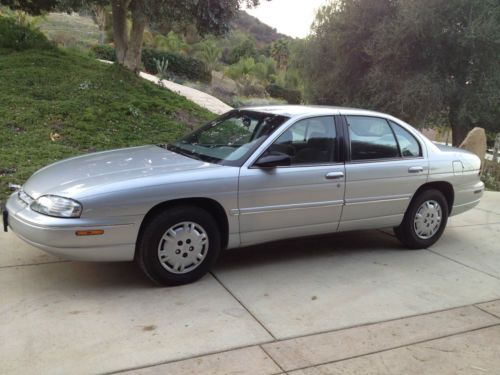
x: 52, y: 205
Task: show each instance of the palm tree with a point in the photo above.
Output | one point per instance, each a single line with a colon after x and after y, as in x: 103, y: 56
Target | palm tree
x: 280, y: 52
x: 210, y: 54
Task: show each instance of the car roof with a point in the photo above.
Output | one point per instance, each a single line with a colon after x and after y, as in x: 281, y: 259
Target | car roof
x: 300, y: 110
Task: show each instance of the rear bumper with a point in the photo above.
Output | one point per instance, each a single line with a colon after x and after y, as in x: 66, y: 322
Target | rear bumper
x: 467, y: 198
x: 58, y: 236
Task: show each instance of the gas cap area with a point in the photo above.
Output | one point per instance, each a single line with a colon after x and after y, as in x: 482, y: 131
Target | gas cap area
x: 458, y: 167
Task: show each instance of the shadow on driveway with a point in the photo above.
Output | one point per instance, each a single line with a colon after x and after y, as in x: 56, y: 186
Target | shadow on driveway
x: 306, y: 248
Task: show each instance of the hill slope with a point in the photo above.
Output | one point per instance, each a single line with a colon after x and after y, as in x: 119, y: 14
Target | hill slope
x: 263, y: 34
x: 56, y: 104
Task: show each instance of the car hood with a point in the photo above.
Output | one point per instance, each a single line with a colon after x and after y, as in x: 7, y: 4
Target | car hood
x: 87, y: 173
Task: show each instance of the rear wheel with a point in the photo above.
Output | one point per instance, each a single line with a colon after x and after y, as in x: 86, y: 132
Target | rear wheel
x: 178, y: 246
x: 424, y: 221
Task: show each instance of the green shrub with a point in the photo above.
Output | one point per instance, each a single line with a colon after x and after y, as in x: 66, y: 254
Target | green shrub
x: 104, y: 52
x: 241, y: 101
x: 185, y: 67
x: 291, y: 96
x: 16, y: 37
x: 491, y: 175
x: 180, y: 66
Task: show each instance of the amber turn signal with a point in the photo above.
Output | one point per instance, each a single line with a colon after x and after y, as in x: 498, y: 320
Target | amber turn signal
x: 94, y: 232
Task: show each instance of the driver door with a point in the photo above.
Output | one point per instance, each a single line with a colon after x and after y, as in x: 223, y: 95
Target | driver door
x: 304, y: 198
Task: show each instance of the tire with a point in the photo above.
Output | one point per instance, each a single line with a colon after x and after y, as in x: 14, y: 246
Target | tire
x: 174, y: 239
x: 421, y: 233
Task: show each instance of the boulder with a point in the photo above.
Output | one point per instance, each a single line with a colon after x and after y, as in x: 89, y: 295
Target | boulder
x: 475, y: 142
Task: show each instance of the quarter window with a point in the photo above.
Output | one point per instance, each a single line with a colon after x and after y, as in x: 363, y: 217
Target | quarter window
x: 371, y: 138
x: 409, y: 146
x: 308, y: 141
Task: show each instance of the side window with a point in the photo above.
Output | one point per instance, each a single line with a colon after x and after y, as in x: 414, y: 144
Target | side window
x: 308, y: 141
x: 371, y: 138
x: 407, y: 143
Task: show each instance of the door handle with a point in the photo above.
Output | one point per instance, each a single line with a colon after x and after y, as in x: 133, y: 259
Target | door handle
x: 415, y: 169
x: 334, y: 175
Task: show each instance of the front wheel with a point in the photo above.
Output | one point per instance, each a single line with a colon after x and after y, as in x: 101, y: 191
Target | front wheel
x: 178, y: 246
x: 424, y: 221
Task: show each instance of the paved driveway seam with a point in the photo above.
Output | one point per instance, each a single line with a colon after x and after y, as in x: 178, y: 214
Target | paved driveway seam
x: 242, y: 305
x: 486, y: 311
x: 335, y: 330
x: 385, y: 321
x: 272, y: 358
x: 463, y: 264
x: 396, y: 347
x: 135, y: 368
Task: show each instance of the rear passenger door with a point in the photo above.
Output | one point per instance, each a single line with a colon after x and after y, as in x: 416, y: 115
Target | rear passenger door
x: 385, y: 166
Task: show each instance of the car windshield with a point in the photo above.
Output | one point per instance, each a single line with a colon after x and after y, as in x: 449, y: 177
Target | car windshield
x: 230, y: 139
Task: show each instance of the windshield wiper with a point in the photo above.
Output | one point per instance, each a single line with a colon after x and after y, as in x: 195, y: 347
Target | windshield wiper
x: 183, y: 152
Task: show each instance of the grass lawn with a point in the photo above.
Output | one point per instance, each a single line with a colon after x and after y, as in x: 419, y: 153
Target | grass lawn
x: 70, y: 30
x: 59, y: 103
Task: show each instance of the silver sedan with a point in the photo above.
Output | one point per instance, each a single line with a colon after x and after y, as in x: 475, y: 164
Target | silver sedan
x: 251, y: 176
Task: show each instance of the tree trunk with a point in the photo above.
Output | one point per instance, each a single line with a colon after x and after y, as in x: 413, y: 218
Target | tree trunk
x: 120, y: 35
x: 100, y: 18
x: 458, y: 128
x: 133, y: 55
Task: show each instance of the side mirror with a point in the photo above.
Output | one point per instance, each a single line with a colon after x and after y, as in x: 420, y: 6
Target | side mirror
x: 274, y: 159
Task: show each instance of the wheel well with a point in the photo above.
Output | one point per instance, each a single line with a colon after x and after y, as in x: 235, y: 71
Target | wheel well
x: 444, y: 187
x: 211, y: 206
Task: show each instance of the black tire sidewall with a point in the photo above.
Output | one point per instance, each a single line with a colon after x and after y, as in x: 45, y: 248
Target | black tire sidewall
x: 406, y: 231
x: 155, y: 228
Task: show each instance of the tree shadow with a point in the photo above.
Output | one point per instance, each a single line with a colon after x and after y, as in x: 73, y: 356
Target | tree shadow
x: 332, y: 245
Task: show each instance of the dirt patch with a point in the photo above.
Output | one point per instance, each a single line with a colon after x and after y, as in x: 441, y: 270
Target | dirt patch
x: 149, y: 328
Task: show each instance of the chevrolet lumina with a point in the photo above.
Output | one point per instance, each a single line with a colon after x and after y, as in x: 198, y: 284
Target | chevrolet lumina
x: 251, y: 176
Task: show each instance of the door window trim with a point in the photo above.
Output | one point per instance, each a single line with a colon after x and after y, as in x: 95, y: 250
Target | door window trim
x: 347, y: 142
x: 392, y: 124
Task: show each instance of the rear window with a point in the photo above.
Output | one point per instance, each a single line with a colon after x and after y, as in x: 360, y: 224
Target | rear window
x: 408, y: 144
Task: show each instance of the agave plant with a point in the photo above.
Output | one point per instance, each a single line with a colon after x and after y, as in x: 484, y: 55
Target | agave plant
x: 161, y: 68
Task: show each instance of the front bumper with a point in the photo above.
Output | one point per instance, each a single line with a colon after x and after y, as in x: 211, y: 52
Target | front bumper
x: 58, y: 235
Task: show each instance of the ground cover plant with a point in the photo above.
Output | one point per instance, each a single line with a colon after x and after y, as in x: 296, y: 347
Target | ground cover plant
x: 58, y: 103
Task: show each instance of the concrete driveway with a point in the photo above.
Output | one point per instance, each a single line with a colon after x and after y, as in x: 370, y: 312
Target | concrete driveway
x: 349, y: 303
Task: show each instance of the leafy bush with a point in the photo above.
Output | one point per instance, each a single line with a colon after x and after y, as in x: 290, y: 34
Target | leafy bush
x: 291, y: 96
x: 251, y: 87
x: 263, y: 69
x: 182, y: 66
x: 245, y: 48
x: 17, y: 37
x: 171, y: 42
x: 104, y: 52
x: 491, y: 175
x: 239, y: 101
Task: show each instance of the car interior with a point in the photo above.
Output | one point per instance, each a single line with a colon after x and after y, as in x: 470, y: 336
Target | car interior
x: 309, y: 141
